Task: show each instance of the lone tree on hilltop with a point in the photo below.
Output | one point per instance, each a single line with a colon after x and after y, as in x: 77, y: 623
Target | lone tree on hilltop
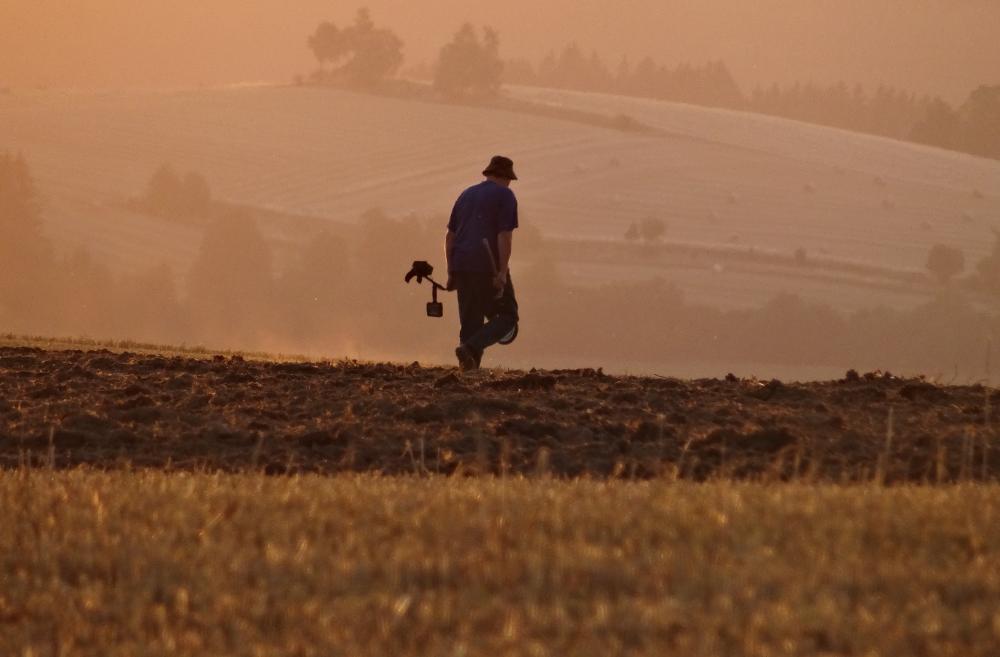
x: 945, y: 262
x: 468, y: 66
x: 362, y: 55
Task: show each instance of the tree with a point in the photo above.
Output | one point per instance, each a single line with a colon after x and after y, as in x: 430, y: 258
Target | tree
x: 652, y: 229
x: 988, y: 269
x: 313, y: 292
x: 149, y: 309
x: 981, y: 121
x: 20, y: 212
x: 945, y: 262
x: 939, y: 127
x: 196, y: 194
x: 25, y: 254
x: 163, y: 190
x: 366, y: 54
x: 468, y: 66
x: 169, y: 195
x: 327, y: 44
x: 230, y: 283
x: 85, y: 295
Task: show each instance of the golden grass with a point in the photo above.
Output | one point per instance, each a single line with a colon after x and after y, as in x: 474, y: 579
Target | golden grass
x: 128, y: 563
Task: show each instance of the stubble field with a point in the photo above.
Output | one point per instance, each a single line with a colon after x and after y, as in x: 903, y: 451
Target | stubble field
x: 150, y: 563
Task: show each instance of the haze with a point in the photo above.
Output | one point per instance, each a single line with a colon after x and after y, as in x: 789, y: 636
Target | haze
x: 673, y: 220
x: 927, y: 46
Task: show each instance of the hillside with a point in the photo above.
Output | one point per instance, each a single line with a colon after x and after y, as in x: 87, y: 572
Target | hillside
x: 112, y: 410
x: 717, y: 178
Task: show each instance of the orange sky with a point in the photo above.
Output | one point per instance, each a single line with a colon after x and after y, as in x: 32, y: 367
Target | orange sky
x: 938, y: 46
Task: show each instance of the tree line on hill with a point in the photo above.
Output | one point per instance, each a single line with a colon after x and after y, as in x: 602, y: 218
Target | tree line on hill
x: 365, y: 56
x: 341, y: 293
x: 973, y: 127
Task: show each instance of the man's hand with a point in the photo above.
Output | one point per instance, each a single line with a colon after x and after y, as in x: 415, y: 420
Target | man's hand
x: 450, y: 283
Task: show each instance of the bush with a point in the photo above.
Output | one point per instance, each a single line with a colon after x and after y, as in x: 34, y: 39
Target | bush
x: 945, y: 262
x: 652, y: 229
x: 170, y: 195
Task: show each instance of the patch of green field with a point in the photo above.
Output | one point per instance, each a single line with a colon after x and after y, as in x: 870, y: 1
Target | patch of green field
x: 186, y: 564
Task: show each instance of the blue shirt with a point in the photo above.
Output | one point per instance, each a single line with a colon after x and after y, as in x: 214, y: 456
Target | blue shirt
x: 481, y: 212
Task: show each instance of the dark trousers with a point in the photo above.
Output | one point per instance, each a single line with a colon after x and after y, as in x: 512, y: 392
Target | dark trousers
x: 485, y: 318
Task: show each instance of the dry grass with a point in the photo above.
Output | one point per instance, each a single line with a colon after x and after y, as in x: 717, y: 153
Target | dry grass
x: 189, y: 564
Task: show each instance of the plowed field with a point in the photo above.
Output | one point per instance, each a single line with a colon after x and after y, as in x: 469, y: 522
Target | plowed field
x: 113, y: 410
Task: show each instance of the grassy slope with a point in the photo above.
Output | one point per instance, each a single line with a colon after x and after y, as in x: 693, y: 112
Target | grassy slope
x: 122, y: 564
x: 715, y: 177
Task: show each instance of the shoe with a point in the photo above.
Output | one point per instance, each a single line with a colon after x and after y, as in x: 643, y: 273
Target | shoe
x: 466, y: 358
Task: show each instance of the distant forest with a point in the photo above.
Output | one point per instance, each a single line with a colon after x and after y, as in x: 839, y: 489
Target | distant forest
x: 363, y: 55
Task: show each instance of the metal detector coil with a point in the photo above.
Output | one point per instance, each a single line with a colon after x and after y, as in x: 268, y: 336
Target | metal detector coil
x: 510, y: 337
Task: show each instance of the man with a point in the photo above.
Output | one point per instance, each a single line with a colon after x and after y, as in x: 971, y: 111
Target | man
x: 478, y: 247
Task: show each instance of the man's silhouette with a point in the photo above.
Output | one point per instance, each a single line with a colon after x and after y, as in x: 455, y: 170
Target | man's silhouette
x: 478, y: 247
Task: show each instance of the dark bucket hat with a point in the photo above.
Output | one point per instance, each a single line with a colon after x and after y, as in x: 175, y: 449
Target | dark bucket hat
x: 501, y: 167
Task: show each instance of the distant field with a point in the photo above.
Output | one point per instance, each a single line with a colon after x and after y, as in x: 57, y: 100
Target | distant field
x: 128, y: 563
x: 715, y: 177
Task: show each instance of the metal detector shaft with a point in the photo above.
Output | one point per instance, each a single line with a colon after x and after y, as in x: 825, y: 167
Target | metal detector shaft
x: 493, y: 263
x: 510, y: 337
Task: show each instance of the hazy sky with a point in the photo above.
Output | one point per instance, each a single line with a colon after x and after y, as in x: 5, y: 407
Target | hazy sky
x: 938, y: 46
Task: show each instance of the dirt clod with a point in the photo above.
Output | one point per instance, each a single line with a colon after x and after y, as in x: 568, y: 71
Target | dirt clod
x: 529, y: 381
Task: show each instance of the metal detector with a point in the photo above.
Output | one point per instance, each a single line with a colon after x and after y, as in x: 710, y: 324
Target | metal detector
x: 421, y: 270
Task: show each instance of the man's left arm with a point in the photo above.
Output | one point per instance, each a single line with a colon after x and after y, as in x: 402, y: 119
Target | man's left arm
x: 505, y: 243
x: 505, y: 238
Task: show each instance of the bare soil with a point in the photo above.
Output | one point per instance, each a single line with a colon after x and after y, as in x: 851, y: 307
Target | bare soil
x: 119, y: 410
